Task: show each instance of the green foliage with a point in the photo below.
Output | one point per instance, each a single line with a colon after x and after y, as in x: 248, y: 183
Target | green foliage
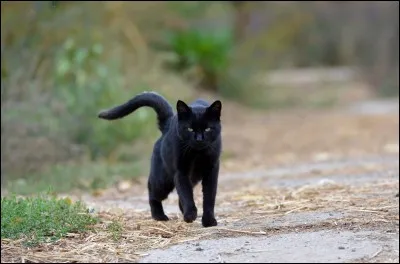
x: 115, y: 228
x: 209, y: 51
x: 188, y: 9
x: 42, y: 218
x: 85, y: 83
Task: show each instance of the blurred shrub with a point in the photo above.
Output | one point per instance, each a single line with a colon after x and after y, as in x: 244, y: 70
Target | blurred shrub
x: 52, y: 89
x: 188, y: 9
x: 363, y: 35
x: 85, y: 83
x: 209, y: 52
x: 55, y: 79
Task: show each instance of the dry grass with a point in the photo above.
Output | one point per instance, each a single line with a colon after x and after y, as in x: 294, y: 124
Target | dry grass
x: 362, y: 206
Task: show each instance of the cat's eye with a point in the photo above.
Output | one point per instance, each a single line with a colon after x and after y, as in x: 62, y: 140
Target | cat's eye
x: 190, y: 129
x: 207, y: 129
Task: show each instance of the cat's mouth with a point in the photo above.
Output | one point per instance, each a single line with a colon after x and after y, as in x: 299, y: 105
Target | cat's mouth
x: 199, y: 145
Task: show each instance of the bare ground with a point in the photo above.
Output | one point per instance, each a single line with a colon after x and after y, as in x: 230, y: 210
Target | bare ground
x: 295, y: 186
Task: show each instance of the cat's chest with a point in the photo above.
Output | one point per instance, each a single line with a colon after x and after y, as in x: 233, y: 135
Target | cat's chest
x: 198, y: 164
x: 197, y: 158
x: 194, y: 162
x: 199, y: 161
x: 196, y: 168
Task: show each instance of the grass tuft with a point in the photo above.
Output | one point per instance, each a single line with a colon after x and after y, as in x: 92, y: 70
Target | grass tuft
x: 42, y: 218
x: 115, y: 228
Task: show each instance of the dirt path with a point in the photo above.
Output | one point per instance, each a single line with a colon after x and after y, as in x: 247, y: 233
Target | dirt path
x: 321, y: 188
x: 330, y: 211
x: 295, y: 186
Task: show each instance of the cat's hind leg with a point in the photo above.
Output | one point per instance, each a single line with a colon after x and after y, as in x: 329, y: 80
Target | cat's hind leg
x: 159, y: 187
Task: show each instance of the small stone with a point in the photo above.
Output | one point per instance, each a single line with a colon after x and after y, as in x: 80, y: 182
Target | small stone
x: 322, y: 156
x: 392, y: 148
x: 199, y: 249
x: 353, y: 250
x: 341, y: 247
x: 123, y: 186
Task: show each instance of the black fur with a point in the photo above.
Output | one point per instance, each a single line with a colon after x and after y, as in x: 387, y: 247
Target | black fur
x: 150, y: 99
x: 187, y: 152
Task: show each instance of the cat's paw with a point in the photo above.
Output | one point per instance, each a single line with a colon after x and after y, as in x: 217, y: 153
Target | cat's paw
x: 190, y: 216
x: 160, y: 217
x: 209, y: 221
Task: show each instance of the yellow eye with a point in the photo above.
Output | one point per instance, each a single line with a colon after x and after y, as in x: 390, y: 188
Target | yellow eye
x: 190, y: 129
x: 207, y: 129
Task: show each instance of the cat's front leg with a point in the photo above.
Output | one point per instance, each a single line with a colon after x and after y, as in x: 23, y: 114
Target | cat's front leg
x: 209, y: 183
x: 185, y: 192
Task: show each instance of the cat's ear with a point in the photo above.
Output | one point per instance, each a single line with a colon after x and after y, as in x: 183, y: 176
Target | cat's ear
x: 215, y: 109
x: 183, y: 110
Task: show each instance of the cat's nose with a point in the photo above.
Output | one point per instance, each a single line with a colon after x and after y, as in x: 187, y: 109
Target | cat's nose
x: 199, y: 137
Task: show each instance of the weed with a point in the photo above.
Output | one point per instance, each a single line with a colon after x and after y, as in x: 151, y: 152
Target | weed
x: 115, y: 228
x: 42, y: 218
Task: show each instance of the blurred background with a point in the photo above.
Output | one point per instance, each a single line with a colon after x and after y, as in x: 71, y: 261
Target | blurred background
x: 63, y: 61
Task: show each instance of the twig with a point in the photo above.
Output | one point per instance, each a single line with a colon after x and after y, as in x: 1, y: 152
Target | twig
x: 165, y: 226
x: 382, y: 208
x: 162, y: 230
x: 243, y: 232
x: 296, y: 209
x: 376, y: 253
x: 263, y: 212
x: 25, y: 259
x: 363, y: 210
x: 260, y: 251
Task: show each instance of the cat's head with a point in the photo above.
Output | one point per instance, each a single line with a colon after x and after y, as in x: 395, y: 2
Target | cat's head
x: 199, y: 126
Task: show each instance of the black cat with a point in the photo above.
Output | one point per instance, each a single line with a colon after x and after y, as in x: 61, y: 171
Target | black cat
x: 187, y: 152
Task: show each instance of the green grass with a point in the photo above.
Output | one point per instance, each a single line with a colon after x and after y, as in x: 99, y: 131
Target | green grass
x: 81, y: 177
x: 42, y: 218
x: 115, y: 228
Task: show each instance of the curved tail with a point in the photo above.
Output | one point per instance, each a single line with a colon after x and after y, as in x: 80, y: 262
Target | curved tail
x: 151, y: 99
